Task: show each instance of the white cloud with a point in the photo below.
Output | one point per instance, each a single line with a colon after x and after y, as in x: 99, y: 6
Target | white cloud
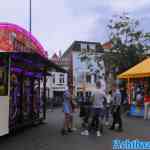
x: 128, y: 5
x: 62, y: 27
x: 59, y: 22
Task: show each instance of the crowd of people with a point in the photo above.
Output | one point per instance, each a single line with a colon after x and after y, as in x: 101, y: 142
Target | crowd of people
x: 101, y: 108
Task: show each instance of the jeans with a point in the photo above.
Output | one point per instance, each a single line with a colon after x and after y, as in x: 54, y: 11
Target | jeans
x: 97, y: 119
x: 117, y: 117
x: 86, y: 116
x: 107, y: 113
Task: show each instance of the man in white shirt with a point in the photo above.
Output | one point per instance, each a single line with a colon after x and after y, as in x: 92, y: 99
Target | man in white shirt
x: 99, y: 98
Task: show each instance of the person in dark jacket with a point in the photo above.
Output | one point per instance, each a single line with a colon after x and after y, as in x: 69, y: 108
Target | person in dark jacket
x: 116, y: 112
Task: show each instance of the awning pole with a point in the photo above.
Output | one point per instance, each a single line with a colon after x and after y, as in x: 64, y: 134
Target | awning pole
x: 129, y: 91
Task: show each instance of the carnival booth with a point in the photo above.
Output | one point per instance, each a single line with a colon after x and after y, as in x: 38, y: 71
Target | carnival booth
x: 21, y: 101
x: 138, y: 87
x: 24, y: 69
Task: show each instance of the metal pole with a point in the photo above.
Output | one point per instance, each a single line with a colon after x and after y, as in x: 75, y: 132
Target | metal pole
x: 30, y: 16
x: 44, y: 96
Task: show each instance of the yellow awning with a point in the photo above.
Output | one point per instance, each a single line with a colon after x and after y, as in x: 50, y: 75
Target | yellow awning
x: 140, y: 70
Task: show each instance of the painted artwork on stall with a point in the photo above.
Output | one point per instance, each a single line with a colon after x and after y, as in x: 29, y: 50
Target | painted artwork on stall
x: 26, y: 101
x: 15, y: 38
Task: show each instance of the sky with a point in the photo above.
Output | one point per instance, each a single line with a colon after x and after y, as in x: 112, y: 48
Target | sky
x: 57, y: 23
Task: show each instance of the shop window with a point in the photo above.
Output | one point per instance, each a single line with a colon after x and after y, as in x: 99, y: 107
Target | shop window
x: 3, y: 75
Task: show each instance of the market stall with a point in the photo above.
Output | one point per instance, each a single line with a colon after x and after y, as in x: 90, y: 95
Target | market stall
x: 22, y: 102
x: 138, y: 87
x: 24, y: 69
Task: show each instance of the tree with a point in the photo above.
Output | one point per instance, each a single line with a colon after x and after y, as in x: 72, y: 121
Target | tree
x: 128, y: 42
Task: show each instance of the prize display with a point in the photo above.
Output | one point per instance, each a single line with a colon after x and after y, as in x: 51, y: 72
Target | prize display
x: 14, y: 100
x: 139, y: 92
x: 27, y: 98
x: 22, y: 90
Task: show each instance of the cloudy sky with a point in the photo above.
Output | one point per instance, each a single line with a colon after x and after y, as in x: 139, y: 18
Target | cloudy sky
x: 57, y: 23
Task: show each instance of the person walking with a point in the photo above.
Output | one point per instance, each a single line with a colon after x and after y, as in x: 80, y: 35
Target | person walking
x: 116, y: 110
x: 108, y: 105
x: 146, y: 108
x: 98, y: 110
x: 67, y: 109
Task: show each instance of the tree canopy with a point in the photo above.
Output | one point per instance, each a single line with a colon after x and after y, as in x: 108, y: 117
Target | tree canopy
x: 129, y: 42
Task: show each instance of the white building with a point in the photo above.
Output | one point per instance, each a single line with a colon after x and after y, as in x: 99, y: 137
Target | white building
x: 59, y: 83
x: 82, y: 77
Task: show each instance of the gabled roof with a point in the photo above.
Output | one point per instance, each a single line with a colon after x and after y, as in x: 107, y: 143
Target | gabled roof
x: 54, y: 56
x: 107, y: 45
x: 140, y: 70
x: 75, y: 46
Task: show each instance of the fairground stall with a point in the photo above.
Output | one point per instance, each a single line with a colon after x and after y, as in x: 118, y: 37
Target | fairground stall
x: 24, y: 69
x: 138, y: 87
x: 21, y: 100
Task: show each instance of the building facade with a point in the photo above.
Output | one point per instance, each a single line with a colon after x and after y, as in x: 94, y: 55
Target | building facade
x: 58, y: 81
x: 81, y: 72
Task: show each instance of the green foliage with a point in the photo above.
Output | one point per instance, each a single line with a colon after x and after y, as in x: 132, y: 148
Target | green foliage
x: 128, y: 41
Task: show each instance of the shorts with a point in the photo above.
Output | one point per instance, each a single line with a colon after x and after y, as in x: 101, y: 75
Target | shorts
x: 66, y: 108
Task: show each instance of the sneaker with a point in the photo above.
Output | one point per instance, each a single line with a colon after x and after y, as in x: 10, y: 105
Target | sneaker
x: 63, y: 132
x: 98, y: 133
x: 70, y: 130
x: 85, y: 132
x: 111, y: 128
x: 107, y: 123
x: 74, y: 129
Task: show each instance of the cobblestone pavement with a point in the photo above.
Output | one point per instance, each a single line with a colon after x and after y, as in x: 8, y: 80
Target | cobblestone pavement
x: 47, y: 136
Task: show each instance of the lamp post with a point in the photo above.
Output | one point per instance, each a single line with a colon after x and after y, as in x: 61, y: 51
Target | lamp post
x: 30, y: 16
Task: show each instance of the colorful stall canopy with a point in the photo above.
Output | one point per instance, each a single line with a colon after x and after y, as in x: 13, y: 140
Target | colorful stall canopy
x: 140, y: 70
x: 15, y: 38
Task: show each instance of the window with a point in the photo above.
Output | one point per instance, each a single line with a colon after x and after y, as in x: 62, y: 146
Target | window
x: 92, y: 46
x: 83, y: 46
x: 88, y: 94
x: 61, y: 79
x: 53, y: 76
x: 88, y: 48
x: 88, y: 78
x: 95, y: 78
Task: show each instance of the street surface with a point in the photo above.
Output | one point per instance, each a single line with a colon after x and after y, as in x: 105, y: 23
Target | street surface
x: 47, y: 136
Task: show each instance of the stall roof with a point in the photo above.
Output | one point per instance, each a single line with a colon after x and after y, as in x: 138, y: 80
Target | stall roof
x: 37, y: 59
x: 140, y: 70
